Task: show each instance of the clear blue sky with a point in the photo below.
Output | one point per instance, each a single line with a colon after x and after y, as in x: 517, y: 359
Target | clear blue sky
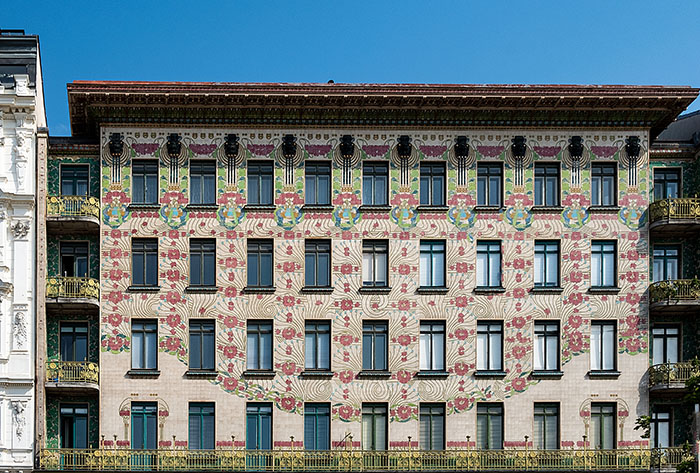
x: 493, y: 41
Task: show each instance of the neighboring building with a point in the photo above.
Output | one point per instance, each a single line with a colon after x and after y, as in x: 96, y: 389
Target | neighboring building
x: 22, y: 132
x: 239, y: 270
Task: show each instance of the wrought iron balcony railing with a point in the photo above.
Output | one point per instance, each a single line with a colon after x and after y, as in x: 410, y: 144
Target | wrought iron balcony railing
x: 686, y: 208
x: 73, y: 206
x: 672, y: 373
x: 117, y: 459
x: 675, y: 290
x: 72, y: 372
x: 70, y: 287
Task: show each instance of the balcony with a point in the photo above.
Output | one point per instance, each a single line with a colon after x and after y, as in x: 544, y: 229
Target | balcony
x: 118, y: 459
x: 74, y: 375
x: 674, y: 216
x: 71, y: 292
x: 671, y: 377
x: 72, y: 214
x: 675, y: 295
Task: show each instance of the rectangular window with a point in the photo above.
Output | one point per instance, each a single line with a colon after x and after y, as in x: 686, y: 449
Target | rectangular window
x: 260, y: 182
x: 489, y: 426
x: 546, y: 346
x: 317, y: 426
x: 667, y: 183
x: 317, y: 349
x: 260, y: 259
x: 74, y: 179
x: 145, y: 181
x: 144, y: 425
x: 144, y: 344
x: 144, y: 262
x: 74, y: 259
x: 318, y: 183
x: 201, y: 426
x: 202, y: 344
x: 603, y: 345
x: 488, y: 264
x: 374, y: 346
x: 317, y: 263
x: 546, y: 264
x: 603, y: 185
x: 203, y: 262
x: 74, y: 425
x: 74, y: 341
x: 259, y: 348
x: 432, y: 346
x: 489, y: 346
x: 546, y: 426
x: 258, y: 432
x: 203, y: 182
x: 375, y: 263
x: 432, y: 184
x: 375, y: 179
x: 489, y: 184
x: 665, y: 344
x: 374, y: 426
x: 661, y: 436
x: 666, y: 262
x: 603, y: 264
x: 603, y: 425
x: 546, y: 184
x: 432, y: 426
x: 432, y: 263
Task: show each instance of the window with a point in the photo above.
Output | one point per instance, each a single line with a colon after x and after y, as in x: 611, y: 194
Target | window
x: 432, y: 426
x: 666, y: 262
x: 546, y: 264
x: 203, y: 182
x: 603, y: 271
x: 74, y: 341
x: 260, y: 186
x: 203, y: 262
x: 665, y: 344
x: 318, y: 183
x: 259, y: 349
x: 375, y: 178
x: 488, y: 264
x: 144, y: 261
x: 603, y: 345
x: 258, y: 426
x: 375, y: 264
x: 317, y: 343
x: 145, y: 181
x: 374, y: 427
x: 489, y: 182
x: 202, y: 344
x: 489, y: 346
x: 201, y: 427
x: 144, y: 425
x: 432, y: 346
x: 74, y: 425
x: 667, y: 183
x: 144, y: 344
x: 74, y: 259
x: 547, y: 346
x: 546, y: 426
x: 260, y: 263
x: 317, y: 263
x: 603, y: 425
x: 432, y: 264
x: 317, y: 426
x: 374, y: 346
x: 489, y: 426
x: 547, y: 184
x: 661, y: 428
x: 603, y: 187
x: 74, y: 179
x: 432, y: 184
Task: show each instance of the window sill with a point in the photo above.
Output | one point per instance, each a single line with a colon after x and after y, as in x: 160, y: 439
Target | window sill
x: 259, y: 374
x: 488, y: 208
x: 317, y: 208
x: 432, y: 374
x: 259, y: 208
x: 432, y: 290
x: 143, y: 373
x: 547, y: 209
x: 604, y: 208
x: 604, y: 374
x: 317, y: 374
x: 202, y: 289
x: 604, y: 290
x: 259, y: 290
x: 547, y: 374
x: 144, y: 207
x: 143, y: 288
x: 202, y: 207
x: 369, y: 374
x: 374, y: 208
x: 432, y: 208
x: 546, y: 290
x: 207, y: 374
x: 489, y: 374
x: 374, y: 290
x: 489, y: 290
x: 316, y: 290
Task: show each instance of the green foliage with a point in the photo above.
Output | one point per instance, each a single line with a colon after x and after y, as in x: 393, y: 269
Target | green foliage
x: 643, y: 423
x: 693, y: 383
x: 687, y: 465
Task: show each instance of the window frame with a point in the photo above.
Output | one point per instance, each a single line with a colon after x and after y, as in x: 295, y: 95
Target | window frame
x: 74, y: 244
x: 654, y: 425
x: 485, y: 180
x: 147, y: 172
x: 313, y: 170
x: 371, y: 329
x: 598, y: 171
x: 547, y: 335
x: 197, y: 169
x: 551, y: 248
x: 259, y: 410
x: 260, y: 331
x: 149, y: 410
x: 603, y: 351
x: 428, y: 172
x: 376, y: 248
x: 73, y: 324
x: 665, y: 336
x: 311, y: 410
x: 432, y: 253
x: 316, y: 323
x: 258, y: 247
x: 376, y: 411
x: 603, y: 254
x: 73, y: 416
x: 203, y: 253
x: 258, y: 170
x: 148, y: 249
x: 545, y: 415
x: 201, y: 333
x: 493, y: 327
x: 314, y: 247
x: 546, y: 167
x: 678, y: 171
x: 201, y: 415
x: 487, y: 247
x: 487, y: 406
x: 666, y: 258
x: 145, y: 331
x: 429, y: 406
x: 374, y: 166
x: 430, y: 334
x: 602, y: 415
x: 75, y: 180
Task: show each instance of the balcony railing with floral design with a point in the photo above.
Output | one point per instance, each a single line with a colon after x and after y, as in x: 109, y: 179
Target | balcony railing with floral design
x: 117, y: 459
x: 73, y: 206
x: 672, y: 373
x: 72, y: 372
x: 685, y: 208
x: 70, y: 287
x: 675, y: 290
x: 671, y: 456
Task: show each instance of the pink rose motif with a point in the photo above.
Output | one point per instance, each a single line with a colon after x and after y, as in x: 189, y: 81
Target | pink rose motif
x: 575, y: 298
x: 173, y: 297
x: 288, y: 368
x: 145, y: 148
x: 288, y: 333
x: 174, y: 254
x: 518, y: 352
x: 547, y: 151
x: 404, y: 269
x: 230, y: 351
x: 404, y: 340
x: 346, y: 304
x: 518, y: 293
x: 575, y: 321
x: 115, y: 234
x: 230, y: 292
x: 288, y: 301
x: 519, y: 322
x: 345, y: 340
x: 632, y: 277
x: 575, y: 236
x: 375, y: 150
x: 575, y: 255
x: 576, y: 276
x: 632, y: 299
x: 346, y: 376
x: 461, y: 334
x: 345, y: 412
x: 404, y: 304
x: 115, y: 297
x: 576, y: 341
x: 490, y: 151
x: 461, y: 369
x: 230, y: 384
x: 632, y: 344
x: 604, y: 151
x: 461, y: 301
x: 519, y: 263
x: 461, y: 403
x: 461, y: 268
x: 172, y: 343
x: 202, y: 149
x: 404, y: 412
x: 260, y: 150
x: 114, y: 319
x: 116, y: 343
x: 288, y: 266
x: 230, y: 321
x: 173, y: 320
x: 403, y: 376
x: 173, y: 275
x: 433, y: 151
x: 346, y: 269
x: 115, y: 253
x: 519, y: 384
x: 633, y: 255
x: 318, y: 150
